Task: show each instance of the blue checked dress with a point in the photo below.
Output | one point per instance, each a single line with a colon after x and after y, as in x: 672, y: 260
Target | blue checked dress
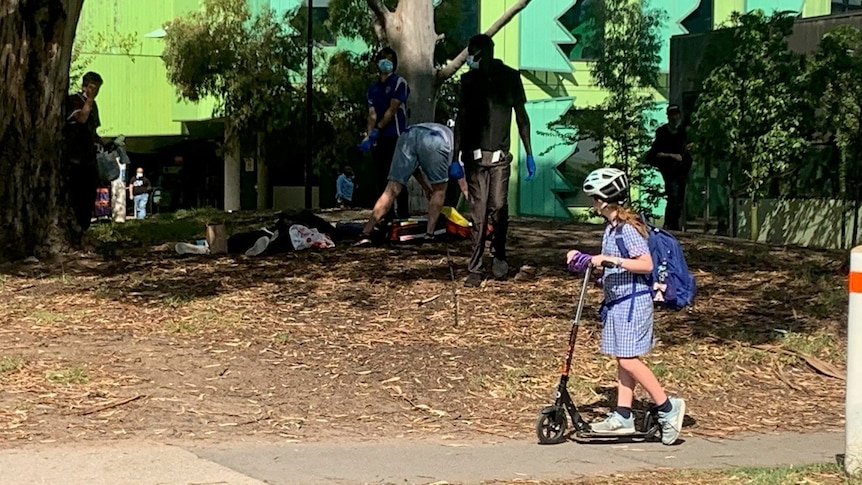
x: 627, y: 325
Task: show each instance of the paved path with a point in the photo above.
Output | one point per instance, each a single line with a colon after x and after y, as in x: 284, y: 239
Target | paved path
x: 401, y: 462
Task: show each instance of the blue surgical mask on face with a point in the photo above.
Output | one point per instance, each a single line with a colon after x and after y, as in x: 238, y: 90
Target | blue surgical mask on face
x: 386, y: 66
x: 472, y: 62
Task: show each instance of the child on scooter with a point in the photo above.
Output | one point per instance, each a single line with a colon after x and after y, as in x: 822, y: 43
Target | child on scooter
x: 627, y: 310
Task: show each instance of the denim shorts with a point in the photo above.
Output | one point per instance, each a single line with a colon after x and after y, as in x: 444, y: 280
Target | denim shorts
x: 421, y: 147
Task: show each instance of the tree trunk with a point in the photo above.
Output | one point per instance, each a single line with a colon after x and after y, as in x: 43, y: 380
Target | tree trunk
x: 410, y: 30
x: 263, y: 188
x: 231, y: 154
x: 35, y: 52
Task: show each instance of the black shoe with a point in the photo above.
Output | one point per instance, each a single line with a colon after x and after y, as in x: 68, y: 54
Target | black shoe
x: 363, y: 241
x: 473, y: 280
x: 500, y: 268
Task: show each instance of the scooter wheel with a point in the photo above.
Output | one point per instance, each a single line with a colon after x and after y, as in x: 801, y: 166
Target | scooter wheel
x: 551, y: 427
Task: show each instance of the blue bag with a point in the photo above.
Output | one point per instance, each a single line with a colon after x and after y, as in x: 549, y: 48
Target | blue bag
x: 670, y: 269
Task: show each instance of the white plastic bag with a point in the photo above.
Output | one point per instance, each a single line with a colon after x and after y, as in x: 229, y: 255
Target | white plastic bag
x: 304, y: 238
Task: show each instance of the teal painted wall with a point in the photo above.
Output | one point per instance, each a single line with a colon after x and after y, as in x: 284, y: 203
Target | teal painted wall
x: 542, y: 35
x: 548, y: 180
x: 542, y: 47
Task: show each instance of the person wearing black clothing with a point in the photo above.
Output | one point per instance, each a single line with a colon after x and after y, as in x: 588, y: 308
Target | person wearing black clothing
x: 387, y: 120
x: 140, y: 188
x: 489, y: 94
x: 670, y: 155
x: 82, y: 176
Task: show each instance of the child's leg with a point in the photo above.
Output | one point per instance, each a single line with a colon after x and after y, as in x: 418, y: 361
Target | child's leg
x: 625, y: 387
x: 642, y: 375
x: 671, y: 411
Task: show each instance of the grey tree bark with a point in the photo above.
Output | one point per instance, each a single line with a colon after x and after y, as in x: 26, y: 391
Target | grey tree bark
x: 36, y: 39
x: 410, y: 30
x: 232, y: 167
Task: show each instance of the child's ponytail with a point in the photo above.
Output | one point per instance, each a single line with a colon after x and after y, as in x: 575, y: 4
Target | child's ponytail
x: 627, y: 215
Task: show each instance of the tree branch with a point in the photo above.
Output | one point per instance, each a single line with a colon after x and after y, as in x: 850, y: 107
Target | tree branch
x: 380, y: 11
x: 453, y: 65
x: 380, y: 31
x: 381, y: 19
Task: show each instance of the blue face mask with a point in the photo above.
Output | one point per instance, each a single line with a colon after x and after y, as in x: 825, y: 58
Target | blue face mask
x: 472, y: 62
x: 386, y: 66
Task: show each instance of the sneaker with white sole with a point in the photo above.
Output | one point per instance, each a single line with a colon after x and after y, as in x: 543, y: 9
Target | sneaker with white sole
x: 614, y: 424
x: 671, y: 421
x: 186, y: 248
x: 259, y: 246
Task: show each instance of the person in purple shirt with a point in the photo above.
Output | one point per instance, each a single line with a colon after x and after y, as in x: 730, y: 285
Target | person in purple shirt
x: 387, y: 120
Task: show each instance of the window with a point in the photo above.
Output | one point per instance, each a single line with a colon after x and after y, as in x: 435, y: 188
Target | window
x: 701, y: 19
x: 843, y: 6
x: 584, y: 22
x: 320, y: 31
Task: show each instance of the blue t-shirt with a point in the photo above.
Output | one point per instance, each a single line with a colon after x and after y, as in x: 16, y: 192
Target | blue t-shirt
x: 380, y: 94
x: 344, y: 187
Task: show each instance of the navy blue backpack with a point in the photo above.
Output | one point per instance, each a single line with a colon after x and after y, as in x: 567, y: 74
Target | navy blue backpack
x: 670, y: 269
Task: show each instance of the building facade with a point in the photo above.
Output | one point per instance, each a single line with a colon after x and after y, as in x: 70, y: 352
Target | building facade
x: 177, y: 142
x: 549, y: 42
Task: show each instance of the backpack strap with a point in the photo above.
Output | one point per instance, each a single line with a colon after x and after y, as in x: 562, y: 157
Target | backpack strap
x: 624, y: 252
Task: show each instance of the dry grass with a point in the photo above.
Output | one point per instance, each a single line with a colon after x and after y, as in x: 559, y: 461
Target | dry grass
x: 810, y: 475
x: 318, y: 344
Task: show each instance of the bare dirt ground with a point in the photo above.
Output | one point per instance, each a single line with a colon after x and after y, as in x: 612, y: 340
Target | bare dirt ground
x: 363, y: 343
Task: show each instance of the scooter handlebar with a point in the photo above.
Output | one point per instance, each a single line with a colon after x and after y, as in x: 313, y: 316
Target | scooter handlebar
x: 608, y: 264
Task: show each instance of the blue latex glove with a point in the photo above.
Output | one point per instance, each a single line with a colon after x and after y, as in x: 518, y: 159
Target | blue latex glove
x: 369, y: 141
x: 456, y: 171
x: 531, y: 167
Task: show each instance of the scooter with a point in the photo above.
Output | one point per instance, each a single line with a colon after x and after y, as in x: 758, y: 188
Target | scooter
x: 552, y: 422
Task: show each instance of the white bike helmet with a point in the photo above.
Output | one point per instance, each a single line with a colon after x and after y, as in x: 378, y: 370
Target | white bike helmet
x: 607, y: 184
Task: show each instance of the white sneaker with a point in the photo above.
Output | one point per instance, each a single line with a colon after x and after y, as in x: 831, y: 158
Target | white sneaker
x: 614, y: 424
x: 186, y: 248
x: 671, y: 422
x: 259, y: 246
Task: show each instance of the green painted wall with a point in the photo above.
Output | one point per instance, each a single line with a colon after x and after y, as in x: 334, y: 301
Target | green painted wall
x: 137, y: 99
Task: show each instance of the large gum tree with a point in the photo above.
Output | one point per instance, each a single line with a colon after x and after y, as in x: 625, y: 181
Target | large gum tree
x: 36, y: 38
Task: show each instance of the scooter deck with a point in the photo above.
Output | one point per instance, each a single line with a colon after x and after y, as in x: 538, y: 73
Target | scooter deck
x: 638, y: 436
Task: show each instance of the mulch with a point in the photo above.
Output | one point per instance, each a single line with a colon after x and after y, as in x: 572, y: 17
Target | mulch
x: 364, y: 342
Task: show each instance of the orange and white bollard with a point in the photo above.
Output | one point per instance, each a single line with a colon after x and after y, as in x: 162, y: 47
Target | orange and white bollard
x: 853, y: 404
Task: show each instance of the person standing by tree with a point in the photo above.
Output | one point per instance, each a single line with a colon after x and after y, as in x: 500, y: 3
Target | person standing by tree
x: 80, y: 133
x: 489, y: 94
x: 387, y: 120
x: 670, y: 155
